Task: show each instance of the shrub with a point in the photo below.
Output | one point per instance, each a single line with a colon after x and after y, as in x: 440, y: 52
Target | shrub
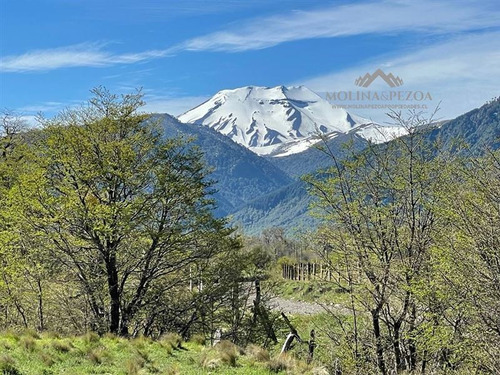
x: 209, y: 361
x: 91, y: 337
x: 283, y: 362
x: 229, y: 358
x: 228, y: 352
x: 47, y: 359
x: 7, y: 366
x: 31, y: 333
x: 140, y: 342
x: 171, y: 371
x: 173, y: 338
x: 257, y: 353
x: 28, y: 343
x: 62, y: 346
x: 134, y: 365
x: 98, y: 355
x: 198, y: 339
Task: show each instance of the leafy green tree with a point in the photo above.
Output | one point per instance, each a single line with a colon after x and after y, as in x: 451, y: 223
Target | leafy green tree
x: 11, y: 260
x: 470, y: 258
x: 125, y: 210
x: 379, y: 214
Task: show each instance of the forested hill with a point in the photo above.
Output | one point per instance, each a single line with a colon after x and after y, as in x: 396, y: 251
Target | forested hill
x: 478, y: 129
x: 315, y: 158
x: 241, y: 175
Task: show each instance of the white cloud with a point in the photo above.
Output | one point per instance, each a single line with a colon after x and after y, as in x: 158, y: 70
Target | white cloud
x: 435, y: 17
x: 79, y: 55
x: 154, y: 104
x: 424, y: 16
x: 31, y: 121
x: 85, y: 54
x: 43, y: 107
x: 462, y: 73
x: 173, y: 106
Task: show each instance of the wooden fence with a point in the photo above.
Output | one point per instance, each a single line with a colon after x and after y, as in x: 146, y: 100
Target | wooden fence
x: 306, y: 271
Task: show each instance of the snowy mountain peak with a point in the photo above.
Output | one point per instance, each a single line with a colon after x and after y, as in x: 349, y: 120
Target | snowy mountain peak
x: 268, y: 120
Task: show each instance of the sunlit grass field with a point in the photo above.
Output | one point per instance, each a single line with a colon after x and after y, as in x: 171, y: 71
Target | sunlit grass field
x: 30, y: 353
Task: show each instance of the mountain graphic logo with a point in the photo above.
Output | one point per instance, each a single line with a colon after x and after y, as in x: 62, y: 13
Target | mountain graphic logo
x: 367, y: 79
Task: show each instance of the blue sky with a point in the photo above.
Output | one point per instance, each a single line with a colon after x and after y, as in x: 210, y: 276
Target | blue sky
x: 181, y: 52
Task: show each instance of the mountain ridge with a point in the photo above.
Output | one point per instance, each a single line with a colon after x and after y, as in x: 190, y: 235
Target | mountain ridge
x: 280, y: 121
x: 479, y: 129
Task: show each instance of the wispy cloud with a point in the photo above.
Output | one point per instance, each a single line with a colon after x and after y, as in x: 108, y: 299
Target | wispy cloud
x: 172, y: 105
x: 79, y: 55
x: 161, y: 9
x: 425, y: 16
x: 435, y: 17
x: 462, y: 73
x: 42, y: 107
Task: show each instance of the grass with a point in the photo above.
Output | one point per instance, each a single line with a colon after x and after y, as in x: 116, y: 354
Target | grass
x: 49, y: 354
x: 311, y: 291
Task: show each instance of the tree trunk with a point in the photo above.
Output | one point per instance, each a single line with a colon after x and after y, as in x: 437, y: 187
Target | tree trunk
x: 378, y: 341
x: 260, y: 311
x: 400, y: 364
x: 124, y: 331
x: 312, y: 346
x: 114, y: 295
x: 235, y: 307
x: 40, y: 306
x: 288, y: 343
x: 256, y: 301
x: 411, y: 345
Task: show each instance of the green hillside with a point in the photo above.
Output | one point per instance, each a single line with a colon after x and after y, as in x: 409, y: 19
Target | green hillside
x: 479, y: 129
x: 241, y: 175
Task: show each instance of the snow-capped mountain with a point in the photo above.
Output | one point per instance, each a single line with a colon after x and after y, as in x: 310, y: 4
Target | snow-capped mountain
x: 280, y: 120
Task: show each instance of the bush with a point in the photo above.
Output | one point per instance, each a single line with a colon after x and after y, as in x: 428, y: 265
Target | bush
x: 134, y: 365
x: 31, y: 333
x: 283, y: 362
x: 228, y: 352
x: 198, y: 339
x: 47, y: 359
x: 141, y: 342
x: 257, y: 353
x: 91, y: 337
x: 225, y: 352
x: 173, y: 338
x: 98, y: 355
x: 28, y: 343
x: 62, y: 346
x: 7, y: 366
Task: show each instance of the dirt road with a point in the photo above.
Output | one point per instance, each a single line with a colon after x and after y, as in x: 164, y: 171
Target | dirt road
x: 300, y: 307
